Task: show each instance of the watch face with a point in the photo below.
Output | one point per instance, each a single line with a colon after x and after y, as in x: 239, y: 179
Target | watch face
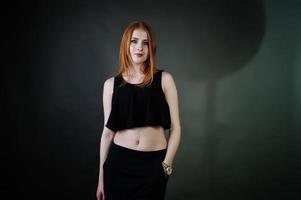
x: 169, y: 170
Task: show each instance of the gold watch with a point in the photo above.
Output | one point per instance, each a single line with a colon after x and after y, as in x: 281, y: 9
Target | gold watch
x: 167, y: 168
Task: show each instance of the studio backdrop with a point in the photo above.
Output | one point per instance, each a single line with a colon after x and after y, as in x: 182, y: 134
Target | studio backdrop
x: 236, y: 65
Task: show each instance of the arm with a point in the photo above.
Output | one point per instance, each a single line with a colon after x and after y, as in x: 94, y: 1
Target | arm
x: 107, y: 134
x: 170, y: 91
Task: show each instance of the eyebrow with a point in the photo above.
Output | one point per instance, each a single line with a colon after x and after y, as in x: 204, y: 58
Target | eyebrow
x: 138, y: 38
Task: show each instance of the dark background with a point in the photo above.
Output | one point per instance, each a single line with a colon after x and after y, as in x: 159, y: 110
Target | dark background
x: 237, y: 69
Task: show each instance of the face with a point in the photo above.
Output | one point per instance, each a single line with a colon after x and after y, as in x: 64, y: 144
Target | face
x: 139, y: 46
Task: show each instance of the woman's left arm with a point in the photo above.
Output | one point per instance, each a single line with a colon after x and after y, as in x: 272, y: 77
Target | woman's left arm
x: 171, y: 95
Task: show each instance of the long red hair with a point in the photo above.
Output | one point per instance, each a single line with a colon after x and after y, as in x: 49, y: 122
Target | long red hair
x: 149, y: 66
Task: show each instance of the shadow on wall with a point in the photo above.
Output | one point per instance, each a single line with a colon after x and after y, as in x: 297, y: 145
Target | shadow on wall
x: 239, y: 32
x: 225, y: 35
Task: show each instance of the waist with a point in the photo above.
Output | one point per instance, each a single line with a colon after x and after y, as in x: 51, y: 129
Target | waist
x: 122, y: 158
x: 150, y: 138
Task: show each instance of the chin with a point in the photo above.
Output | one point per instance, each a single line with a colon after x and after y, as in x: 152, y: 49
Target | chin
x: 139, y: 61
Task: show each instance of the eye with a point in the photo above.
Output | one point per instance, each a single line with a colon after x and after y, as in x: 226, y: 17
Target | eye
x: 146, y: 43
x: 134, y: 41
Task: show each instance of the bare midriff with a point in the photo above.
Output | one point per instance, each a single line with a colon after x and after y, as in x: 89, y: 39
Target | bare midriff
x: 148, y: 138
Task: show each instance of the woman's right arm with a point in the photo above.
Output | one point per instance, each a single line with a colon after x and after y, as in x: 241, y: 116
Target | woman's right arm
x: 107, y: 134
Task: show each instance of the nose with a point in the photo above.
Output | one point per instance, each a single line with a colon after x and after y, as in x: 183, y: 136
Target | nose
x: 139, y: 46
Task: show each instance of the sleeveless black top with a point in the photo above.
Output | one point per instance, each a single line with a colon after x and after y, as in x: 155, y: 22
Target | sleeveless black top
x: 133, y: 106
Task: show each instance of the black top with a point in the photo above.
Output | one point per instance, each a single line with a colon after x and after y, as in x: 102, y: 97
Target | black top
x: 133, y: 106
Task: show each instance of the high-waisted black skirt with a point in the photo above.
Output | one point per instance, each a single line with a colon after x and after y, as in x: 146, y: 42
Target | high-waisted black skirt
x: 134, y: 175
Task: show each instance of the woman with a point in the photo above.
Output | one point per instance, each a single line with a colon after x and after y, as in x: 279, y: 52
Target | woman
x: 139, y: 103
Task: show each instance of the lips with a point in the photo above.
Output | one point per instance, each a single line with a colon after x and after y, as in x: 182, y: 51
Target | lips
x: 139, y: 54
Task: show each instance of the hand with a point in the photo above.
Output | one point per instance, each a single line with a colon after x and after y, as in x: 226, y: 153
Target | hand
x: 100, y: 195
x: 167, y: 169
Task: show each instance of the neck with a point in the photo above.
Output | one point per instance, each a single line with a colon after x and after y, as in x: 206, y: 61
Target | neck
x: 135, y: 70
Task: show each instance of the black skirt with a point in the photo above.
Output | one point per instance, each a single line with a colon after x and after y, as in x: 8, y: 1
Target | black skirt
x: 134, y: 175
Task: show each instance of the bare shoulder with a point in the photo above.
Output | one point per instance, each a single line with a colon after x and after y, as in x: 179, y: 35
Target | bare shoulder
x: 167, y: 76
x: 167, y: 80
x: 109, y: 81
x: 108, y: 84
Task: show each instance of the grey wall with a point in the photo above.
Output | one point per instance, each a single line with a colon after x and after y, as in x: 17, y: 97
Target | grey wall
x: 237, y: 70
